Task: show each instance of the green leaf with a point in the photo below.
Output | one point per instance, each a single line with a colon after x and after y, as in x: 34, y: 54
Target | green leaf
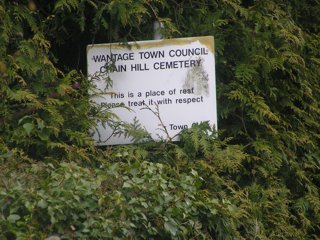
x: 23, y: 118
x: 171, y: 226
x: 7, y: 155
x: 43, y: 136
x: 42, y: 204
x: 40, y: 123
x: 13, y: 218
x: 127, y: 185
x: 28, y: 127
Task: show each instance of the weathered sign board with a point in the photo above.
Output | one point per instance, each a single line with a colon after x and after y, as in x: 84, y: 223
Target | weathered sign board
x: 175, y: 75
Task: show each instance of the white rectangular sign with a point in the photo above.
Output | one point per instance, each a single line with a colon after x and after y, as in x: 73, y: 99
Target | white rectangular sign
x: 175, y: 75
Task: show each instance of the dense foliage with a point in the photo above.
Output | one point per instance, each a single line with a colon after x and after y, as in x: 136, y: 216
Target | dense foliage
x: 259, y: 179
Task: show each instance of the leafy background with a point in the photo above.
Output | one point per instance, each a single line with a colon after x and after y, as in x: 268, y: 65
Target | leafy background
x: 259, y: 179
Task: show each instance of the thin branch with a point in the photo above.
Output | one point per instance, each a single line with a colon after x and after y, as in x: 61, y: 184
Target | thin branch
x: 157, y: 114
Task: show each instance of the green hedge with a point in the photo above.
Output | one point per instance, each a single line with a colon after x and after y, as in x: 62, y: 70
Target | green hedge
x: 259, y: 179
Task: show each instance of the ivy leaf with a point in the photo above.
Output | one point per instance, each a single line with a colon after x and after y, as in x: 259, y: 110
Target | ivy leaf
x: 171, y: 226
x: 28, y: 127
x: 43, y: 136
x: 13, y: 218
x: 42, y: 204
